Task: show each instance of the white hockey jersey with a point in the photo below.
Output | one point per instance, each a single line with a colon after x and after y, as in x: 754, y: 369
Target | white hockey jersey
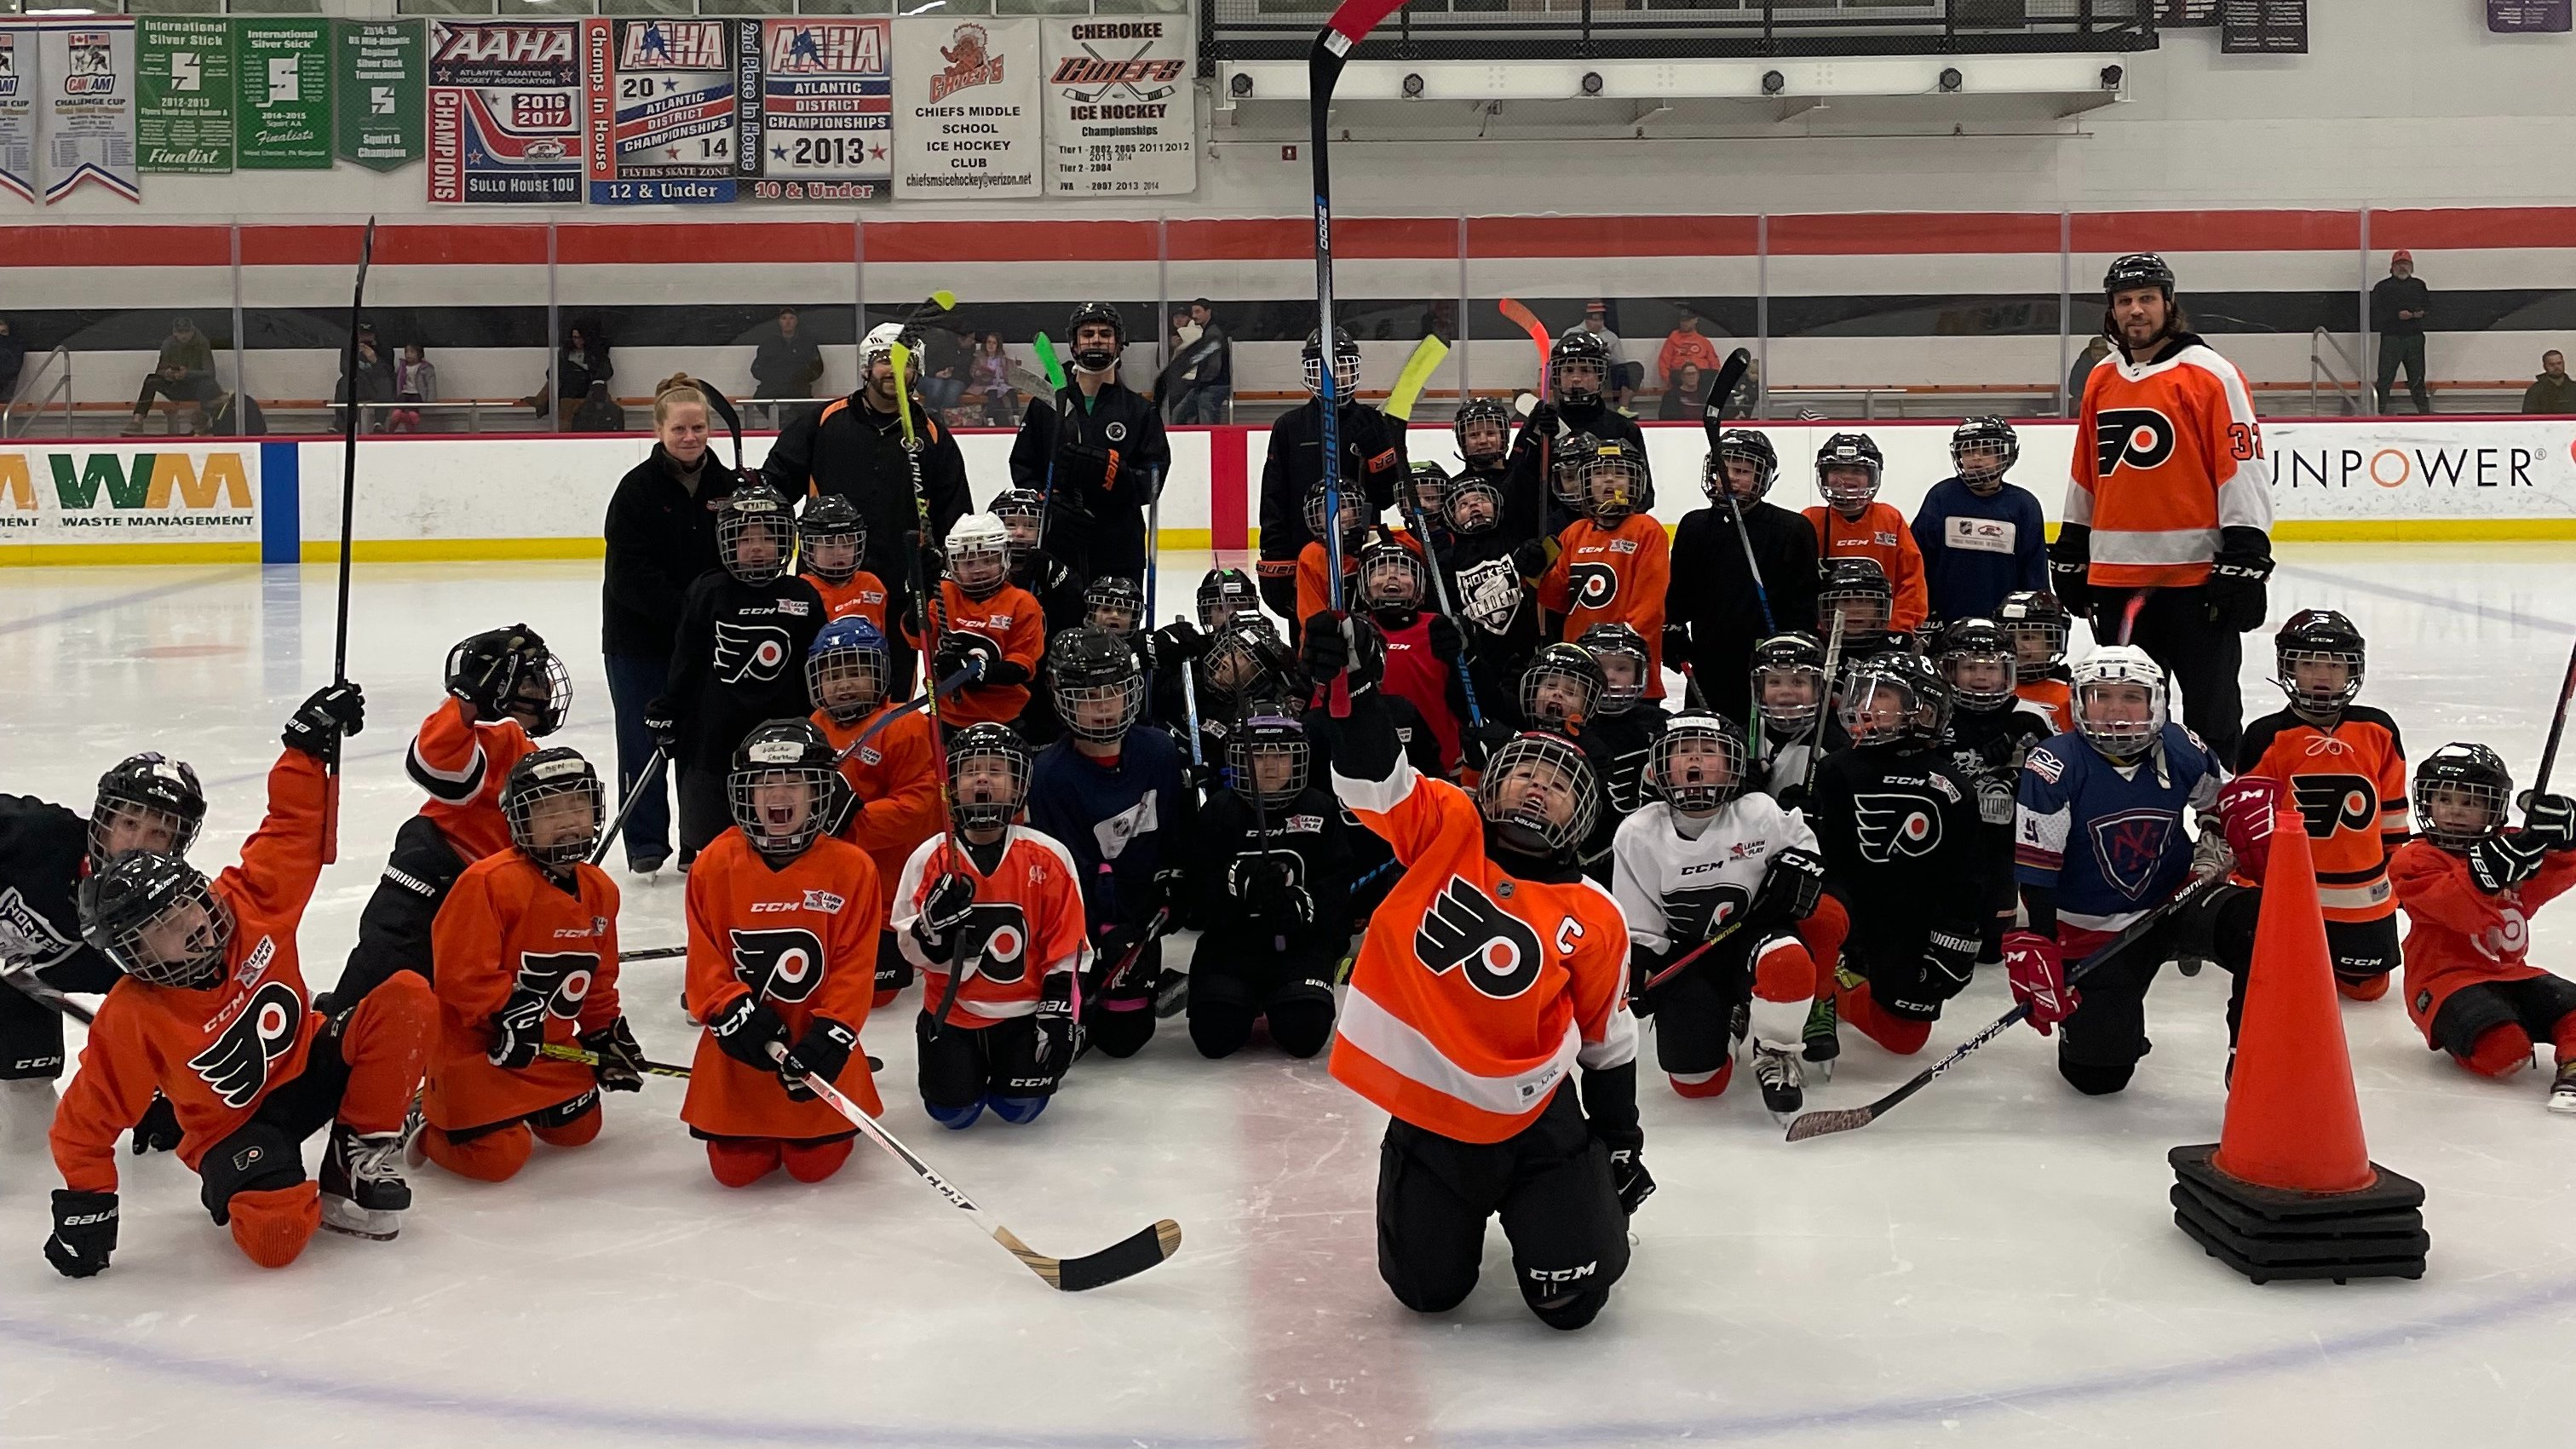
x: 1677, y: 890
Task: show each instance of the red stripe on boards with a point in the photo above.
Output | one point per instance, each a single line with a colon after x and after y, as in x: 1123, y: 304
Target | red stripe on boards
x: 1229, y: 487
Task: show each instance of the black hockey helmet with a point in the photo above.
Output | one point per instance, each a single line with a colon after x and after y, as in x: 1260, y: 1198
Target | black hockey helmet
x: 1983, y: 450
x: 1114, y: 603
x: 2318, y: 636
x: 1483, y: 429
x: 1562, y: 687
x: 141, y: 794
x: 1847, y: 583
x: 2036, y: 623
x: 1622, y: 691
x: 1248, y: 663
x: 546, y: 775
x: 1392, y: 576
x: 1578, y: 348
x: 1346, y: 364
x: 1603, y: 478
x: 1700, y: 762
x: 1846, y: 453
x: 846, y: 669
x: 1023, y: 515
x: 832, y: 537
x: 1230, y: 590
x: 776, y: 758
x: 1094, y: 359
x: 510, y: 672
x: 1473, y: 504
x: 1968, y: 643
x: 1922, y: 700
x: 159, y: 920
x: 750, y: 515
x: 1539, y: 794
x: 1356, y: 513
x: 988, y: 776
x: 1789, y: 682
x: 1262, y: 737
x: 1099, y: 688
x: 1430, y: 484
x: 1749, y: 447
x: 2136, y: 270
x: 2461, y: 778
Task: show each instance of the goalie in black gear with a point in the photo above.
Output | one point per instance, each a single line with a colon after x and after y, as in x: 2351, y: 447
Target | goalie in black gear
x: 1269, y: 885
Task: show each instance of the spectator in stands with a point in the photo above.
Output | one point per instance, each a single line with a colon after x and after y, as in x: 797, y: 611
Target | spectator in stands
x: 2398, y: 306
x: 415, y: 381
x: 2094, y: 351
x: 184, y: 374
x: 1682, y: 389
x: 946, y: 362
x: 988, y: 381
x: 1684, y: 346
x: 1625, y: 376
x: 2553, y: 391
x: 584, y: 363
x: 1204, y: 373
x: 236, y: 415
x: 375, y: 379
x: 13, y: 358
x: 786, y: 364
x: 599, y: 412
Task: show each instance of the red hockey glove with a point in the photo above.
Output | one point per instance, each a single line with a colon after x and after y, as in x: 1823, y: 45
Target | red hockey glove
x: 2037, y: 970
x: 2247, y: 808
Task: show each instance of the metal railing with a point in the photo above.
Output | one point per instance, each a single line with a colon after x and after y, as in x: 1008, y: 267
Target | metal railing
x: 36, y: 403
x: 2349, y: 393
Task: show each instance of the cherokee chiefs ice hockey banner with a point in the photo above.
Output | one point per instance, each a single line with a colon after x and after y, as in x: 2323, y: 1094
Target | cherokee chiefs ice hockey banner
x: 86, y: 125
x: 966, y: 107
x: 821, y: 128
x: 1121, y: 119
x: 505, y: 111
x: 18, y: 112
x: 661, y: 108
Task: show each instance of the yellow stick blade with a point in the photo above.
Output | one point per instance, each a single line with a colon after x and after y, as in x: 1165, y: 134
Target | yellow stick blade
x: 1418, y: 368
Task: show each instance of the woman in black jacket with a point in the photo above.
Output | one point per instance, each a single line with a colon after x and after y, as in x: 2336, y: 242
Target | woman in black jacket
x: 661, y: 534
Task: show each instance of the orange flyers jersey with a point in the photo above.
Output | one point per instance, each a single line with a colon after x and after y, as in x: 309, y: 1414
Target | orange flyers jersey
x: 509, y: 938
x: 1476, y: 992
x: 462, y: 766
x: 1613, y: 576
x: 1027, y: 924
x: 2167, y: 453
x: 2052, y: 700
x: 1879, y: 533
x: 1011, y: 619
x: 2350, y: 786
x: 898, y: 789
x: 2458, y: 935
x: 863, y: 596
x: 216, y: 1053
x: 804, y: 937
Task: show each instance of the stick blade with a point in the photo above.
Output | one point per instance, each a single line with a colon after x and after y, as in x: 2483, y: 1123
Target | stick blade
x: 1818, y: 1124
x: 1120, y: 1260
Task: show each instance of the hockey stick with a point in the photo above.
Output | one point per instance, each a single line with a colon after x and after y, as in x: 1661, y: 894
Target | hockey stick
x: 2129, y: 610
x: 1845, y: 1119
x: 1127, y: 959
x: 1519, y: 315
x: 1675, y: 969
x: 2549, y: 751
x: 1721, y: 391
x: 953, y: 683
x: 652, y: 953
x: 1711, y: 412
x: 1190, y: 702
x: 1123, y: 1259
x: 1824, y: 706
x: 724, y: 410
x: 1053, y: 366
x: 1153, y: 541
x: 934, y: 608
x: 24, y: 980
x: 348, y: 520
x: 1427, y: 356
x: 649, y: 779
x: 564, y: 1052
x: 1412, y: 510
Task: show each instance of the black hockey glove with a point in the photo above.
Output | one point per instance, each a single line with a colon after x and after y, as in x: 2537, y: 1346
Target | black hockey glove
x: 1179, y: 640
x: 620, y: 1067
x: 2501, y: 862
x: 2551, y: 820
x: 2235, y: 591
x: 159, y: 1129
x: 825, y: 1049
x: 746, y: 1029
x: 1628, y: 1175
x: 327, y: 714
x: 480, y: 667
x: 84, y: 1232
x: 1053, y: 1052
x: 1478, y: 742
x: 662, y: 722
x: 1446, y: 642
x: 841, y: 805
x: 1948, y: 957
x: 1791, y: 885
x: 950, y: 902
x: 962, y: 649
x: 1326, y: 650
x: 2070, y: 559
x: 1268, y: 889
x: 518, y: 1029
x: 1534, y: 558
x: 1677, y: 645
x: 1543, y: 420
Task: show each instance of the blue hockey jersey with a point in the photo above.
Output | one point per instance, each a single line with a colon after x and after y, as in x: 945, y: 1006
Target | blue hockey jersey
x: 2110, y: 839
x: 1124, y: 824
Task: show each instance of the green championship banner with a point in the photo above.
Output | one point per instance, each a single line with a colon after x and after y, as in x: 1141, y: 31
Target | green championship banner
x: 184, y: 125
x: 379, y: 92
x: 285, y: 94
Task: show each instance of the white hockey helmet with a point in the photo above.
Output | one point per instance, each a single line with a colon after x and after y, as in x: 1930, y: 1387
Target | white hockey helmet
x: 2118, y: 736
x: 979, y: 554
x: 881, y: 341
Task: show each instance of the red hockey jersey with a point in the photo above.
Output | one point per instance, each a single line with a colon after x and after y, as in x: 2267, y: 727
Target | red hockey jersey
x: 2458, y: 935
x: 863, y: 596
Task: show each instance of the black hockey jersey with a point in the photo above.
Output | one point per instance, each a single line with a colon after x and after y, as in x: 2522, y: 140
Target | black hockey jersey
x: 738, y: 661
x: 44, y: 849
x: 1307, y: 831
x: 1109, y: 450
x: 1713, y: 599
x: 1902, y: 847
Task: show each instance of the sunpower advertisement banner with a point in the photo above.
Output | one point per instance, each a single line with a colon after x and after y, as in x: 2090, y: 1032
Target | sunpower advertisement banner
x: 72, y: 493
x: 1121, y: 117
x: 823, y: 126
x: 505, y: 112
x: 86, y: 126
x: 660, y: 104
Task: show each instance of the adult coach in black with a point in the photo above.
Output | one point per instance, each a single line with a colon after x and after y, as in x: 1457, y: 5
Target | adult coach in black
x: 1109, y: 454
x: 1373, y: 461
x: 853, y: 446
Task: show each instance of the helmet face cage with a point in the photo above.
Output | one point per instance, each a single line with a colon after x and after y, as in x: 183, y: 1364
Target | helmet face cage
x: 846, y: 681
x: 2318, y: 638
x: 1983, y: 450
x: 145, y: 792
x: 1392, y: 577
x: 2460, y: 795
x: 1569, y: 481
x: 748, y: 523
x: 1609, y: 482
x: 1483, y: 429
x: 1748, y: 448
x: 1883, y: 706
x: 1578, y: 369
x: 1096, y: 314
x: 988, y: 777
x: 1354, y: 510
x: 538, y: 693
x: 532, y: 799
x: 1540, y: 788
x: 1864, y: 609
x: 1473, y: 505
x: 1023, y: 516
x: 832, y: 548
x: 1223, y: 594
x: 1113, y: 604
x: 979, y: 556
x: 2035, y: 625
x: 1346, y: 366
x: 2126, y: 667
x: 1096, y: 703
x: 1699, y: 765
x: 1789, y: 692
x: 1847, y: 478
x: 779, y: 786
x: 176, y: 935
x: 1245, y: 661
x: 1967, y: 654
x: 1622, y: 688
x: 1562, y: 685
x: 1266, y: 738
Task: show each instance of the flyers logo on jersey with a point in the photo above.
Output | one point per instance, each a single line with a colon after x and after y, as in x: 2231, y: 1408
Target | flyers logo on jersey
x: 750, y: 653
x: 996, y: 935
x: 781, y: 965
x: 2329, y: 803
x: 2129, y: 846
x: 1596, y: 586
x: 1895, y: 825
x: 1465, y: 929
x: 555, y: 981
x: 1696, y: 915
x: 235, y: 1066
x: 2138, y: 437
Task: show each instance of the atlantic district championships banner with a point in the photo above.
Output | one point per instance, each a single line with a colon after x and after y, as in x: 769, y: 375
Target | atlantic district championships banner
x: 821, y: 128
x: 1121, y: 117
x: 86, y: 125
x: 505, y: 112
x: 661, y: 104
x: 966, y: 107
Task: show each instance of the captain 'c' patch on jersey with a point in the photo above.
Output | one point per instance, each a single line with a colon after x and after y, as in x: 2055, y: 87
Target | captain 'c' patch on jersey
x: 2137, y: 437
x: 235, y: 1067
x: 2328, y: 803
x: 1890, y: 825
x: 750, y: 653
x: 2129, y: 846
x: 781, y: 965
x: 1499, y: 951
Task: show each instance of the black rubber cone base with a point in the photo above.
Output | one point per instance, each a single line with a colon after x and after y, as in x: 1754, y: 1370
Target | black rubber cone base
x: 2265, y: 1233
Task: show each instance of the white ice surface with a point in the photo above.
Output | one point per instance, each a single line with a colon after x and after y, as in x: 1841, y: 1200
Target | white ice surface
x: 1993, y: 1265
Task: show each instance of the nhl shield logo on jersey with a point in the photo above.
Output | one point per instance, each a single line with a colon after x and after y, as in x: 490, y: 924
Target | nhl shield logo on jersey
x: 781, y: 965
x: 750, y: 653
x: 2137, y: 437
x: 235, y: 1066
x: 1891, y: 825
x: 1466, y: 929
x: 2129, y: 846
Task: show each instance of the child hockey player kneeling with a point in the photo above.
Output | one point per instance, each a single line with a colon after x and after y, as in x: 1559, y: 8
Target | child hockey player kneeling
x: 1271, y: 883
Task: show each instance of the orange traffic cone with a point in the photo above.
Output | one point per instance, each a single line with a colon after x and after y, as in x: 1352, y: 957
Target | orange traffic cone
x: 2289, y: 1190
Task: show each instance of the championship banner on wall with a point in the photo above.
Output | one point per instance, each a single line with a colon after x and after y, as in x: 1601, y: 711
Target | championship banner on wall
x: 285, y: 95
x: 18, y: 113
x: 660, y: 106
x: 377, y: 92
x: 1121, y: 119
x: 966, y: 107
x: 86, y: 125
x: 822, y: 126
x: 505, y: 111
x: 183, y: 125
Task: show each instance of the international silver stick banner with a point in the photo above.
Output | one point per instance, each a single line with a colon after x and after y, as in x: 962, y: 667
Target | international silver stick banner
x: 1121, y: 116
x: 18, y: 111
x: 966, y: 107
x: 86, y: 125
